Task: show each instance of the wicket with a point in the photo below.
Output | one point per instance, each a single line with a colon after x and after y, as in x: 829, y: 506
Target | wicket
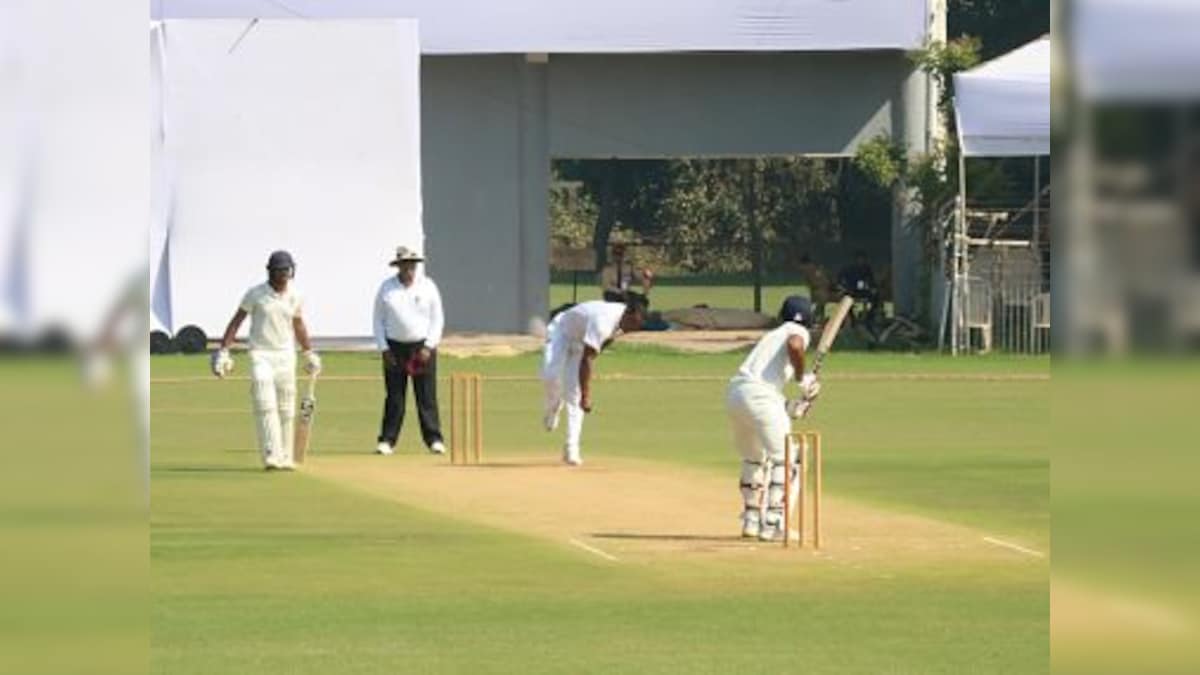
x: 466, y: 418
x: 802, y: 446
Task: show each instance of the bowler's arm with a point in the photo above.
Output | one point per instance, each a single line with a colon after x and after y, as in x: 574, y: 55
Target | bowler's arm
x: 585, y: 378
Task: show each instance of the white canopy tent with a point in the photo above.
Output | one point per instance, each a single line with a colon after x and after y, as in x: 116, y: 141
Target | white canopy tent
x: 1132, y: 56
x: 1003, y: 105
x: 1002, y: 108
x: 614, y: 26
x: 1136, y: 50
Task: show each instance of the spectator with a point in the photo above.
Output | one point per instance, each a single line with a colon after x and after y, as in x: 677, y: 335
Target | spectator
x: 820, y: 289
x: 617, y: 277
x: 858, y: 281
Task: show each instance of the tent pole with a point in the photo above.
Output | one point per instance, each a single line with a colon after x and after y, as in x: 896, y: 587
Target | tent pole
x: 960, y: 254
x: 1037, y: 198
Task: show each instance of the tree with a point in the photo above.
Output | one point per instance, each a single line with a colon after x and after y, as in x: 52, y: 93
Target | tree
x: 624, y: 192
x: 1001, y: 25
x: 738, y: 215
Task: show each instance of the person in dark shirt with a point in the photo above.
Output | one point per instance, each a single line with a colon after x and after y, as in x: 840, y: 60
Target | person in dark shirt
x: 858, y: 281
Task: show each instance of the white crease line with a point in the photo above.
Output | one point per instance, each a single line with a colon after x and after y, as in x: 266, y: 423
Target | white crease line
x: 593, y: 549
x: 1014, y: 547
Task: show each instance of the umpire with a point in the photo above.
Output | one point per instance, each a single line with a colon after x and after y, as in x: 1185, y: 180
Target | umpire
x: 408, y: 325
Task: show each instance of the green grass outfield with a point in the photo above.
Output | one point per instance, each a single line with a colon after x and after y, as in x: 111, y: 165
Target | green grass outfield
x: 295, y: 573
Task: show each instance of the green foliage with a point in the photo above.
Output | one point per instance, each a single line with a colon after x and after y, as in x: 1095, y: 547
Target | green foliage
x: 626, y: 193
x: 572, y: 215
x: 881, y: 160
x: 701, y: 216
x: 718, y: 207
x: 1002, y: 25
x: 941, y: 60
x: 923, y: 182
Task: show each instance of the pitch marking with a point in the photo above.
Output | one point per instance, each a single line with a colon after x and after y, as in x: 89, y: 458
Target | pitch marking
x: 593, y: 550
x: 1014, y: 547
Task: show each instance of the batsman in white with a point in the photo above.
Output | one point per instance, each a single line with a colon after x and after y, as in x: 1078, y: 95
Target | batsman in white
x: 276, y: 325
x: 574, y: 338
x: 761, y: 416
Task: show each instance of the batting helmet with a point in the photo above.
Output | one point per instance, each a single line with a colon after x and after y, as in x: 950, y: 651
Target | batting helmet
x: 796, y: 308
x: 281, y: 260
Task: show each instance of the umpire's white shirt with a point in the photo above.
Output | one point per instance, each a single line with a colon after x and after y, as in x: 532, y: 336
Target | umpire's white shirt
x: 408, y: 313
x: 271, y: 314
x: 769, y: 362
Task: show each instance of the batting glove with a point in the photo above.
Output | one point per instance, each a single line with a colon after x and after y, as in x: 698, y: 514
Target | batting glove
x: 810, y: 388
x: 312, y: 362
x: 222, y: 363
x: 797, y: 407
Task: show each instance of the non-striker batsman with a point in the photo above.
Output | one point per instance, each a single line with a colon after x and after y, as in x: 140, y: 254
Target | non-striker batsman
x: 276, y: 325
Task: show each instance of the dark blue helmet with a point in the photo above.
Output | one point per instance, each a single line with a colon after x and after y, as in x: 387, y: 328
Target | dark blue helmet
x: 281, y: 260
x: 796, y: 308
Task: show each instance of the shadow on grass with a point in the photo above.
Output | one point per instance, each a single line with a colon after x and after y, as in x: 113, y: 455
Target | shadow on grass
x: 208, y: 469
x: 547, y: 464
x: 642, y: 536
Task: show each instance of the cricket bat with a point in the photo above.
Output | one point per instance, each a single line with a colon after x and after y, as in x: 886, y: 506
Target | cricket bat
x: 830, y: 332
x: 828, y: 335
x: 304, y: 423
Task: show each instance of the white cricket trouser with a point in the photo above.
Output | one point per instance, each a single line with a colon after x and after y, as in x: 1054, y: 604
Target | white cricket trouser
x: 273, y: 390
x: 760, y: 427
x: 760, y: 422
x: 560, y: 378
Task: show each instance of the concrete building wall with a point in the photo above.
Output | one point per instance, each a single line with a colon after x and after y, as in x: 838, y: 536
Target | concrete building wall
x: 714, y: 105
x: 491, y: 125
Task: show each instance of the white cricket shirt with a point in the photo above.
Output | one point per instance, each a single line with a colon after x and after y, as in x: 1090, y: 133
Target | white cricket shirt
x: 592, y: 323
x: 271, y: 316
x: 408, y: 313
x: 769, y: 362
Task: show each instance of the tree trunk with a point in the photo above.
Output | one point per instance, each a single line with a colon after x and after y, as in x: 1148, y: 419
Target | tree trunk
x: 606, y: 217
x: 756, y: 236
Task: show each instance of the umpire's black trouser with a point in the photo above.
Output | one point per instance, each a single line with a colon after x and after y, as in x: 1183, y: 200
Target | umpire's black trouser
x: 395, y: 378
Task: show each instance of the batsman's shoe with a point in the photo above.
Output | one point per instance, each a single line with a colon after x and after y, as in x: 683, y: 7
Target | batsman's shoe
x: 384, y: 448
x: 750, y: 525
x: 437, y: 448
x: 572, y: 457
x: 769, y: 532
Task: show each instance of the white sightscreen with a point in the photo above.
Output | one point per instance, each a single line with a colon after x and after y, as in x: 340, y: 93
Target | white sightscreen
x: 159, y: 270
x: 291, y: 135
x: 608, y: 26
x: 73, y: 166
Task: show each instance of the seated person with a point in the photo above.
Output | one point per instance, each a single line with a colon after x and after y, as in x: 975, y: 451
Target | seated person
x: 820, y: 290
x: 858, y: 281
x: 617, y: 277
